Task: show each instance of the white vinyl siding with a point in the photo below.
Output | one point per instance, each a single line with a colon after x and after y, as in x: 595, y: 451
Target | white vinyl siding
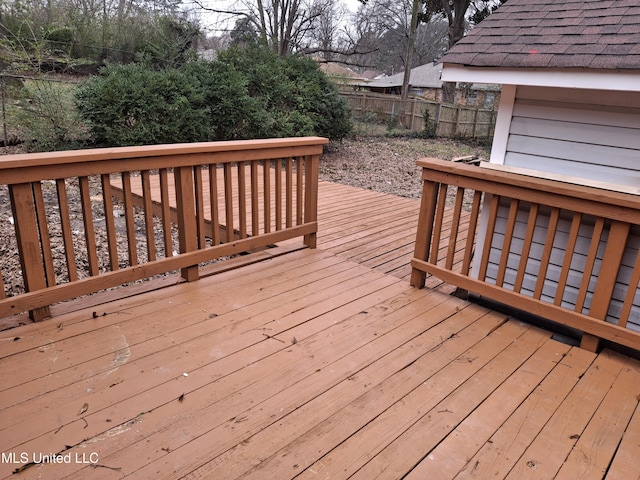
x: 584, y: 134
x: 578, y: 261
x: 581, y: 133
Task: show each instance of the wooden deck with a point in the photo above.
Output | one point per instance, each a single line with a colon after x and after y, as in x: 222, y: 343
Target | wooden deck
x: 312, y: 364
x: 308, y: 365
x: 375, y: 229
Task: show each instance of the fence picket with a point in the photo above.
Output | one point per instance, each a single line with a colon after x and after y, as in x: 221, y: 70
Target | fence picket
x: 449, y: 120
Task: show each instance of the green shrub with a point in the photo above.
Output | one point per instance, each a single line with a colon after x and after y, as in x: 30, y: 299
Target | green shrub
x: 136, y: 105
x: 224, y: 99
x: 316, y: 96
x: 296, y: 98
x: 246, y: 93
x: 45, y: 117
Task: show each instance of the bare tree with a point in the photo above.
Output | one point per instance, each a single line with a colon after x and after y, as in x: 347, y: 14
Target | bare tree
x: 460, y: 15
x: 325, y: 36
x: 285, y: 26
x: 383, y: 27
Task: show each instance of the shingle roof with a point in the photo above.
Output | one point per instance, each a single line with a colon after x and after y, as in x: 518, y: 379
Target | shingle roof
x: 597, y: 34
x: 427, y: 75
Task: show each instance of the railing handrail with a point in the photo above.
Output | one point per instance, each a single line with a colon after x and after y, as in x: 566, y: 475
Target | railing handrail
x: 491, y: 179
x: 245, y: 195
x: 515, y: 196
x: 29, y: 167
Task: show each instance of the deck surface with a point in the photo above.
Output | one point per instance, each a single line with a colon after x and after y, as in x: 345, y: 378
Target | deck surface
x: 313, y: 364
x: 375, y: 229
x: 308, y: 366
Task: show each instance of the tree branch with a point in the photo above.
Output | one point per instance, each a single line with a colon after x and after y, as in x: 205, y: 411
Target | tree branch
x: 215, y: 10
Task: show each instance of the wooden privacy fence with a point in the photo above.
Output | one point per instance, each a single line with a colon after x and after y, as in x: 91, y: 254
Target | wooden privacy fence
x: 257, y: 192
x: 563, y: 252
x: 420, y: 114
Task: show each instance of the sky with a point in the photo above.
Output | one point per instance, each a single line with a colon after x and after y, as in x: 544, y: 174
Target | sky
x: 212, y: 22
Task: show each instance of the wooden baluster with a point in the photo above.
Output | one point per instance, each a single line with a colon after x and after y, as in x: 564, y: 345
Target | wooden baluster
x: 455, y: 226
x: 166, y: 213
x: 588, y: 268
x: 228, y: 201
x: 299, y: 190
x: 186, y: 209
x: 526, y: 246
x: 311, y: 196
x: 471, y: 233
x: 568, y: 256
x: 45, y: 241
x: 437, y: 232
x: 491, y: 228
x: 200, y: 220
x: 148, y: 215
x: 632, y: 290
x: 213, y: 204
x: 112, y: 240
x: 67, y: 235
x: 552, y: 228
x: 508, y: 238
x: 267, y: 196
x: 278, y: 176
x: 89, y: 231
x: 129, y: 219
x: 28, y: 239
x: 289, y: 193
x: 255, y: 219
x: 242, y: 200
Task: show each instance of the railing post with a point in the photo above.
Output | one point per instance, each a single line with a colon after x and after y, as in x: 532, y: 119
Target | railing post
x: 610, y: 266
x: 25, y: 219
x: 425, y: 229
x: 187, y: 225
x: 311, y: 196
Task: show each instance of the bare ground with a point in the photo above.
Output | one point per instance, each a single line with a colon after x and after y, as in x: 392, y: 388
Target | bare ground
x: 388, y: 165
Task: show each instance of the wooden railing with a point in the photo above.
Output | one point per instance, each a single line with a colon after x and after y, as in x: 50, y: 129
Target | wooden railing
x: 215, y: 200
x: 563, y: 252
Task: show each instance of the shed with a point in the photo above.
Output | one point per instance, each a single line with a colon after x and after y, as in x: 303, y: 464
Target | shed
x: 570, y: 102
x: 570, y: 72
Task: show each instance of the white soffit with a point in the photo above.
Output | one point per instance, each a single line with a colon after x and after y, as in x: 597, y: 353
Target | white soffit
x: 624, y: 80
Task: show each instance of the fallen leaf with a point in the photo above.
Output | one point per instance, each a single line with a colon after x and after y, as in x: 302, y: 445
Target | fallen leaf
x: 84, y: 408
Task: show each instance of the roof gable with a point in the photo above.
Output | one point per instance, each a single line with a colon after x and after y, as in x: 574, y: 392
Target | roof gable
x: 594, y: 34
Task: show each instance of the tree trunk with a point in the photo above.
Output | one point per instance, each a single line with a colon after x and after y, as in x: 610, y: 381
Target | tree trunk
x: 456, y: 32
x: 407, y: 62
x: 448, y: 92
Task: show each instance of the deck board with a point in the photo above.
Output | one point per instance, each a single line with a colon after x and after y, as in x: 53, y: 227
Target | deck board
x: 313, y: 364
x: 309, y: 365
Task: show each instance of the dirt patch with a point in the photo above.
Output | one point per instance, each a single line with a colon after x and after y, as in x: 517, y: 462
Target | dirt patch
x: 388, y: 165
